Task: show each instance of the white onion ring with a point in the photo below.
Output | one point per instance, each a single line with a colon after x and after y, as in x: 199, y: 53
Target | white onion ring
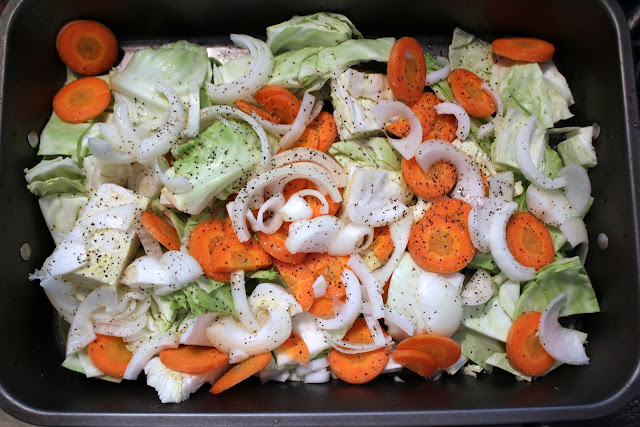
x: 102, y: 150
x: 376, y: 331
x: 350, y: 239
x: 175, y: 184
x: 525, y: 162
x: 438, y: 75
x: 276, y: 128
x: 349, y: 312
x: 193, y: 114
x: 314, y: 235
x: 308, y: 107
x: 479, y: 289
x: 296, y: 209
x: 195, y: 333
x: 119, y: 328
x: 550, y: 206
x: 464, y: 122
x: 318, y: 195
x: 303, y: 154
x: 400, y: 232
x: 257, y: 75
x: 81, y: 331
x: 370, y: 283
x: 149, y: 349
x: 240, y: 302
x: 562, y: 344
x: 274, y: 222
x: 384, y: 111
x: 501, y: 190
x: 350, y: 348
x: 575, y: 231
x: 399, y: 320
x: 578, y: 188
x: 127, y: 139
x: 486, y: 129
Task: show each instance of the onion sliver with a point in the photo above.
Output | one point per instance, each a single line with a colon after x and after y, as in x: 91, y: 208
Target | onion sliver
x: 351, y: 309
x: 525, y: 162
x: 240, y: 302
x: 175, y: 184
x: 301, y: 121
x: 384, y: 111
x: 500, y: 250
x: 62, y: 296
x: 464, y: 122
x: 119, y: 328
x: 273, y: 223
x: 319, y: 287
x: 550, y: 206
x: 399, y: 320
x: 149, y: 349
x: 479, y: 290
x: 318, y: 195
x: 276, y: 128
x: 128, y: 140
x: 350, y: 239
x: 578, y: 188
x: 371, y: 284
x: 303, y: 154
x: 376, y: 331
x: 400, y: 232
x: 562, y: 344
x: 81, y: 331
x: 149, y: 243
x: 349, y: 348
x: 193, y: 115
x: 470, y: 186
x: 195, y: 333
x: 257, y: 75
x: 438, y: 75
x: 102, y: 150
x: 487, y: 128
x: 575, y: 231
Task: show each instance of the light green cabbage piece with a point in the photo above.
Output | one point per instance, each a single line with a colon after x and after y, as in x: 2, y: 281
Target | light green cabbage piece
x: 442, y: 88
x: 508, y: 297
x: 59, y: 175
x: 74, y: 363
x: 61, y: 138
x: 564, y: 275
x: 485, y: 261
x: 552, y: 162
x: 503, y: 149
x: 231, y: 71
x: 499, y: 360
x: 559, y: 91
x: 217, y: 163
x: 578, y: 148
x: 488, y: 319
x: 375, y: 152
x: 319, y: 29
x: 60, y: 212
x: 471, y: 53
x: 176, y: 64
x: 477, y: 347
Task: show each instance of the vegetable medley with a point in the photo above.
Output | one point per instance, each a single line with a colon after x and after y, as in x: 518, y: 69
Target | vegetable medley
x: 293, y: 215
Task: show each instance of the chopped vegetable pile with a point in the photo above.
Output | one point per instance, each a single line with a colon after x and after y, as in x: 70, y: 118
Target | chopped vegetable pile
x: 291, y: 214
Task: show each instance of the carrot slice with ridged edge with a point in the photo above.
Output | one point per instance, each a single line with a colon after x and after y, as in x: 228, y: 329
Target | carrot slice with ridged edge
x: 444, y: 350
x: 416, y: 361
x: 439, y: 180
x: 193, y: 359
x: 406, y: 69
x: 529, y: 240
x: 524, y: 350
x: 161, y: 230
x: 109, y: 354
x: 467, y: 89
x: 523, y: 49
x: 241, y: 372
x: 87, y: 47
x: 82, y: 100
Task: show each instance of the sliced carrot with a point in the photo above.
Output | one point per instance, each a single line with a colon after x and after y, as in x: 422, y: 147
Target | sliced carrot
x: 308, y: 139
x: 444, y: 350
x: 440, y: 245
x: 529, y: 240
x: 444, y: 127
x: 316, y: 204
x: 467, y: 89
x: 524, y: 350
x: 382, y: 245
x: 454, y: 209
x: 299, y: 279
x: 424, y: 108
x: 295, y: 348
x: 322, y: 307
x: 193, y: 359
x: 273, y: 244
x: 523, y: 49
x: 161, y: 230
x: 82, y: 100
x: 439, y: 180
x: 325, y: 125
x: 358, y: 368
x: 109, y: 354
x: 248, y: 108
x: 241, y: 372
x: 333, y: 275
x: 279, y: 102
x: 293, y: 187
x: 419, y: 362
x: 87, y: 47
x: 406, y: 69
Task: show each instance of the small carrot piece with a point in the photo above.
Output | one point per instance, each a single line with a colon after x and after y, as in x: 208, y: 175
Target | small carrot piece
x: 454, y: 209
x: 444, y: 350
x: 273, y: 244
x: 523, y: 49
x: 295, y: 348
x: 322, y: 307
x: 87, y: 47
x: 467, y: 89
x: 279, y: 101
x: 382, y: 245
x: 294, y: 186
x: 440, y: 245
x: 424, y: 108
x: 358, y: 368
x: 248, y: 108
x: 524, y: 350
x: 308, y: 139
x: 299, y: 280
x: 82, y: 100
x: 406, y: 69
x: 109, y: 354
x: 161, y: 230
x: 241, y: 372
x: 316, y: 204
x: 444, y: 127
x: 529, y: 240
x: 325, y: 125
x: 439, y: 180
x: 193, y: 359
x: 420, y: 362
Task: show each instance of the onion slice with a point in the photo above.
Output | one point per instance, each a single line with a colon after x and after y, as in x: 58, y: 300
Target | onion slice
x: 578, y: 188
x: 464, y: 122
x: 562, y: 344
x: 438, y: 75
x: 147, y: 350
x: 400, y: 232
x: 308, y: 107
x: 550, y: 206
x: 351, y: 309
x: 81, y: 331
x: 487, y: 128
x: 303, y: 154
x: 240, y: 302
x: 384, y: 111
x: 371, y: 284
x: 297, y: 209
x: 175, y: 184
x: 195, y: 333
x: 276, y: 128
x: 575, y: 231
x: 193, y: 113
x: 102, y: 150
x: 350, y: 239
x: 525, y: 162
x: 479, y: 289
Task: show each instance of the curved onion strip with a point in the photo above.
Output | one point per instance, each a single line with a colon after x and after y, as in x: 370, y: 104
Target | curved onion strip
x: 303, y: 154
x: 303, y: 118
x: 578, y: 188
x: 400, y: 232
x: 479, y: 222
x: 128, y: 139
x: 109, y: 133
x: 269, y: 296
x: 314, y: 235
x: 318, y: 195
x: 351, y: 239
x: 182, y: 267
x: 470, y: 186
x: 149, y: 243
x: 295, y: 209
x: 438, y: 75
x: 149, y: 349
x: 464, y: 122
x: 209, y: 113
x: 525, y: 162
x: 384, y: 111
x: 350, y: 348
x: 61, y: 294
x: 349, y: 312
x: 175, y: 184
x: 256, y: 186
x: 195, y: 333
x: 319, y: 287
x: 376, y: 331
x: 399, y: 320
x: 273, y: 205
x: 486, y: 129
x: 240, y: 302
x: 276, y: 128
x: 102, y: 150
x: 81, y: 330
x: 499, y: 249
x: 193, y: 113
x: 119, y: 328
x: 479, y: 289
x: 575, y: 231
x: 257, y: 75
x: 550, y: 206
x: 370, y: 283
x: 562, y: 344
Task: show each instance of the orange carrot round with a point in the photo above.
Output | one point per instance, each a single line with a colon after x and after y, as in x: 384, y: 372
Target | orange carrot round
x: 444, y: 127
x: 273, y: 244
x: 358, y: 368
x: 440, y: 245
x: 467, y: 89
x: 523, y: 49
x: 419, y: 362
x: 382, y: 245
x: 529, y: 240
x: 193, y: 359
x: 82, y: 100
x: 406, y: 69
x: 87, y: 47
x: 524, y: 350
x: 454, y: 209
x: 109, y: 354
x: 161, y: 230
x: 439, y: 180
x: 424, y: 108
x: 327, y: 130
x: 279, y: 101
x: 241, y: 372
x: 444, y: 350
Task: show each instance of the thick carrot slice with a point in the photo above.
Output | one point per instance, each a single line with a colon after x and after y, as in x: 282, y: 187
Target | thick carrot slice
x: 444, y: 127
x: 444, y: 350
x: 241, y: 372
x: 362, y: 367
x: 295, y: 348
x: 325, y: 125
x: 109, y: 354
x: 440, y: 179
x: 419, y: 362
x: 466, y: 87
x: 523, y: 49
x: 454, y: 209
x: 440, y: 245
x: 294, y: 186
x: 193, y: 359
x: 406, y: 69
x: 279, y: 102
x: 82, y: 100
x: 529, y: 240
x: 308, y: 139
x: 424, y: 108
x: 382, y: 245
x: 161, y: 230
x: 273, y: 244
x: 248, y: 108
x: 299, y: 280
x: 524, y: 350
x: 87, y: 47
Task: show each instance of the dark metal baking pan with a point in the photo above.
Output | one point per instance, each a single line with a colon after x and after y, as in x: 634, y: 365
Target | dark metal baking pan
x: 594, y: 53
